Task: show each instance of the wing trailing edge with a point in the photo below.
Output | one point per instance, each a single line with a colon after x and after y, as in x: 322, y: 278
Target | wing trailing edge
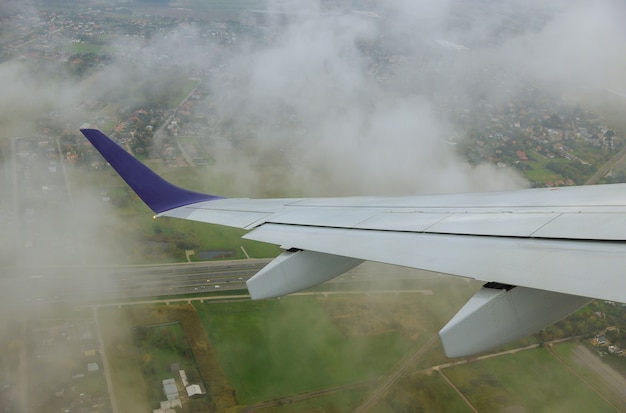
x: 155, y: 191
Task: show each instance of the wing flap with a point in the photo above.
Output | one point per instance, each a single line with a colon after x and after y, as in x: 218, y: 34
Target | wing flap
x: 604, y: 226
x: 496, y: 224
x: 215, y: 215
x: 248, y: 214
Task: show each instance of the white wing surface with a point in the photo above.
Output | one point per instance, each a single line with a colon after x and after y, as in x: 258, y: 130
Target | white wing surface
x: 543, y: 253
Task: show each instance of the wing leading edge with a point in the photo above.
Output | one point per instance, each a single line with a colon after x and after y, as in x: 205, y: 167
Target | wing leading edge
x: 540, y: 248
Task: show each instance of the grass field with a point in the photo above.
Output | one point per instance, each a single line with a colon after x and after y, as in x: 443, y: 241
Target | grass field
x: 599, y: 383
x: 422, y: 393
x: 276, y: 348
x: 342, y: 401
x: 538, y: 172
x: 541, y: 176
x: 533, y: 381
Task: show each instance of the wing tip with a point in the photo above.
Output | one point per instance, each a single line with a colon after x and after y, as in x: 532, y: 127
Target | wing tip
x: 159, y: 194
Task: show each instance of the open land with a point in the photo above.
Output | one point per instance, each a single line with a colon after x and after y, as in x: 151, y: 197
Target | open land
x: 327, y: 352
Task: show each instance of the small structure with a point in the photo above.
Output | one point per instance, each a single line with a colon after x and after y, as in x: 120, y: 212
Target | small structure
x: 193, y: 390
x: 171, y: 404
x: 170, y: 389
x: 168, y: 406
x: 183, y: 378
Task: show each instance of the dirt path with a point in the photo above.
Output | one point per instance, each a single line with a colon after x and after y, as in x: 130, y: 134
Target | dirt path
x: 457, y: 391
x: 397, y: 372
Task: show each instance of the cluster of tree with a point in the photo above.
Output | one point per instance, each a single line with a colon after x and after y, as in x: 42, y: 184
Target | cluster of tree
x: 164, y: 232
x: 575, y: 171
x: 80, y: 64
x: 582, y: 323
x: 160, y: 338
x: 553, y: 122
x: 154, y: 339
x: 590, y: 321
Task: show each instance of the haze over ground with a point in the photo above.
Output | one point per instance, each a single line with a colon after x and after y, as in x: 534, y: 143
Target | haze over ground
x: 308, y: 92
x: 309, y: 89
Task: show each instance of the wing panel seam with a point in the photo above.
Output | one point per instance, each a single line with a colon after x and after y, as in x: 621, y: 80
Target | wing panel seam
x: 595, y: 240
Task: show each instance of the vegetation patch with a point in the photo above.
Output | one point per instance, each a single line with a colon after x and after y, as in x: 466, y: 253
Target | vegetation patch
x: 271, y: 349
x: 570, y: 353
x: 164, y: 353
x: 182, y: 340
x: 339, y: 402
x: 361, y: 316
x: 533, y: 381
x: 424, y: 393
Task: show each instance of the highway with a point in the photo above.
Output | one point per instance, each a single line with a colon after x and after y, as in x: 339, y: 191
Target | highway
x: 80, y: 285
x: 98, y: 285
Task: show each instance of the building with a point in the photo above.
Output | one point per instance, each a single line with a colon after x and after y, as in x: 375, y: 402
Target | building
x: 193, y: 390
x: 170, y: 389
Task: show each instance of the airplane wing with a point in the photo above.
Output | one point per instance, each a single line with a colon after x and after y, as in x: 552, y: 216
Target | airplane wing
x: 543, y: 253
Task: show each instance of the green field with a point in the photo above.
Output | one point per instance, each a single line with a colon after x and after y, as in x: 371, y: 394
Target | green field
x: 538, y: 172
x: 342, y: 401
x: 276, y: 348
x: 422, y: 393
x: 541, y: 176
x: 565, y: 351
x: 533, y: 381
x: 270, y: 350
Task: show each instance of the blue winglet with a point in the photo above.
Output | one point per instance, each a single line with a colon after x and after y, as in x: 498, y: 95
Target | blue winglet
x: 155, y: 191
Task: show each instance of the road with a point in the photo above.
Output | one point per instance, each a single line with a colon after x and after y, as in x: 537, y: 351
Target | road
x: 105, y: 362
x: 81, y: 285
x: 604, y: 169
